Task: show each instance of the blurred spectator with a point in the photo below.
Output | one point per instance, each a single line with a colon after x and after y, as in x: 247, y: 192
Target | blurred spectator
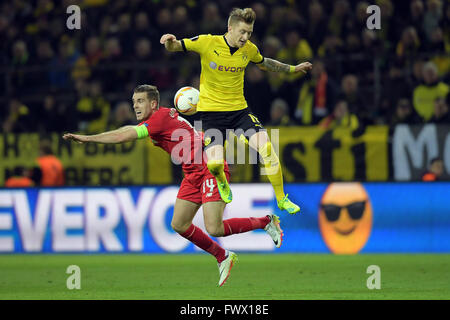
x: 359, y: 22
x: 387, y: 32
x: 125, y: 33
x: 20, y: 179
x: 258, y: 92
x: 122, y: 116
x: 338, y: 23
x: 425, y: 94
x: 441, y: 113
x: 50, y: 119
x: 279, y: 114
x: 415, y: 17
x: 408, y: 47
x: 62, y: 63
x: 21, y: 79
x: 317, y: 96
x: 93, y: 51
x: 404, y: 113
x: 52, y: 170
x: 211, y: 21
x: 356, y: 104
x: 113, y: 78
x: 19, y: 119
x: 341, y: 117
x: 441, y: 57
x: 296, y: 49
x: 44, y: 56
x: 432, y: 17
x: 316, y: 27
x: 182, y: 22
x: 93, y: 109
x: 261, y: 11
x: 435, y: 170
x: 332, y: 45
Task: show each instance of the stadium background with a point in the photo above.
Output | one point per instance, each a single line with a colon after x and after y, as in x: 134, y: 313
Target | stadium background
x: 374, y: 109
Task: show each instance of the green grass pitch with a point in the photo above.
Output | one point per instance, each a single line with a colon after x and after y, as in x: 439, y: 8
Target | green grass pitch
x: 254, y: 277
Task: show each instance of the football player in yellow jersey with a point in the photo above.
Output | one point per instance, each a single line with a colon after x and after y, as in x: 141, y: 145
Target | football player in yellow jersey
x: 222, y: 104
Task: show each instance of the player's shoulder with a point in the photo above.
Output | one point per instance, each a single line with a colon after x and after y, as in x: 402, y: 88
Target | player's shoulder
x: 251, y: 46
x: 159, y: 115
x: 201, y: 37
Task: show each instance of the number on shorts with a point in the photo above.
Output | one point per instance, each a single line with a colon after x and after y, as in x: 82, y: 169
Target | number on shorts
x: 209, y: 183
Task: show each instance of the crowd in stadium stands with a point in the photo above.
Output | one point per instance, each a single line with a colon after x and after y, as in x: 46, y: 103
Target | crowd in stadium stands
x: 55, y: 79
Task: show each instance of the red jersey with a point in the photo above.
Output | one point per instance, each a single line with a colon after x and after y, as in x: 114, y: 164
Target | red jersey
x: 177, y: 137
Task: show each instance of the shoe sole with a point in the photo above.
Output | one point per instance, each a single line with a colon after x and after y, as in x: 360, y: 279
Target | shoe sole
x: 276, y: 221
x: 233, y: 261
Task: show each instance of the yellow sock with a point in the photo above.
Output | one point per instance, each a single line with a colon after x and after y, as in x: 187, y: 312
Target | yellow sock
x: 216, y: 168
x: 272, y: 169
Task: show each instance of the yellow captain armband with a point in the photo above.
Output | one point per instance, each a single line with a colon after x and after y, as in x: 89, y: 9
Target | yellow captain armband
x: 141, y: 131
x: 291, y: 69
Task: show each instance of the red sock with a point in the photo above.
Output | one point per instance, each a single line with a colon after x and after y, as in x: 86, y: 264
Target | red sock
x: 240, y: 225
x: 203, y: 241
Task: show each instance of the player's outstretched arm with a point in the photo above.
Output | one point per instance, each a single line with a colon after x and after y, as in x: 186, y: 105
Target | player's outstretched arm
x: 124, y: 134
x: 171, y: 43
x: 277, y: 66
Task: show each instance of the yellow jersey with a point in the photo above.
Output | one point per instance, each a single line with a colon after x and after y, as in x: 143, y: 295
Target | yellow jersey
x: 222, y: 71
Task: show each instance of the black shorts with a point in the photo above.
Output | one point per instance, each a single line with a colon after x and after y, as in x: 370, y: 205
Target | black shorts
x: 217, y: 125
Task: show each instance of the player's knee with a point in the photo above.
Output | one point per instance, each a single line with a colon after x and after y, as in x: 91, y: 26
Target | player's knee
x: 215, y: 166
x: 268, y: 154
x: 215, y: 230
x: 179, y: 227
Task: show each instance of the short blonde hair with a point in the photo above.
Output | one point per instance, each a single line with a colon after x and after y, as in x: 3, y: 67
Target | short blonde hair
x: 246, y: 15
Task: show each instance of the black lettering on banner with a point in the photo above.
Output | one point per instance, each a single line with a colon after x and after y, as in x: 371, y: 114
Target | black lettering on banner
x: 128, y: 147
x: 109, y: 148
x: 359, y: 154
x: 90, y: 149
x: 86, y: 176
x: 14, y: 146
x: 123, y: 173
x: 326, y: 144
x: 72, y: 177
x: 64, y: 144
x: 296, y: 168
x: 106, y: 176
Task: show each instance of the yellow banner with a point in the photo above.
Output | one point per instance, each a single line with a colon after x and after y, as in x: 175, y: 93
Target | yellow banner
x: 131, y: 163
x: 306, y: 154
x: 312, y: 154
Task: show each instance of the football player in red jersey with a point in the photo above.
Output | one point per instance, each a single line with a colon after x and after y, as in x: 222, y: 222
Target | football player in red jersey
x: 176, y: 136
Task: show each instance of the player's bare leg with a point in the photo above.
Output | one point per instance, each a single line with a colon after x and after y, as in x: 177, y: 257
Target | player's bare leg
x: 216, y: 166
x: 183, y: 215
x: 260, y: 141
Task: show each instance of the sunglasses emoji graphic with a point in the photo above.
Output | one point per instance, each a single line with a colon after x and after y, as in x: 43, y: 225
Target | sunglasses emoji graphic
x: 345, y: 217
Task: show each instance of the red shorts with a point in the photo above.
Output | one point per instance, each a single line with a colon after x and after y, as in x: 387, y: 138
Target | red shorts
x: 200, y: 186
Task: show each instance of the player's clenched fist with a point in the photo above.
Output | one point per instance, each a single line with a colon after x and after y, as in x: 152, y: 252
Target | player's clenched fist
x: 303, y: 67
x: 167, y: 37
x: 170, y: 42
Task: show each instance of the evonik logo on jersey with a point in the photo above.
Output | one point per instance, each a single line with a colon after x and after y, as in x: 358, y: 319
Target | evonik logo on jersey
x: 214, y: 65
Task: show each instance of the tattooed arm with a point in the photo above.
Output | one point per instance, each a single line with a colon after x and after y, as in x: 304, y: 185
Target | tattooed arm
x: 277, y: 66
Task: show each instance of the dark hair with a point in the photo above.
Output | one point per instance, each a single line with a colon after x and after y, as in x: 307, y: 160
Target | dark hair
x: 246, y: 15
x: 436, y: 159
x: 152, y: 91
x: 45, y: 147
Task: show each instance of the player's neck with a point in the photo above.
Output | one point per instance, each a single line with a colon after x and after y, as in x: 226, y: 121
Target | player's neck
x: 229, y: 42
